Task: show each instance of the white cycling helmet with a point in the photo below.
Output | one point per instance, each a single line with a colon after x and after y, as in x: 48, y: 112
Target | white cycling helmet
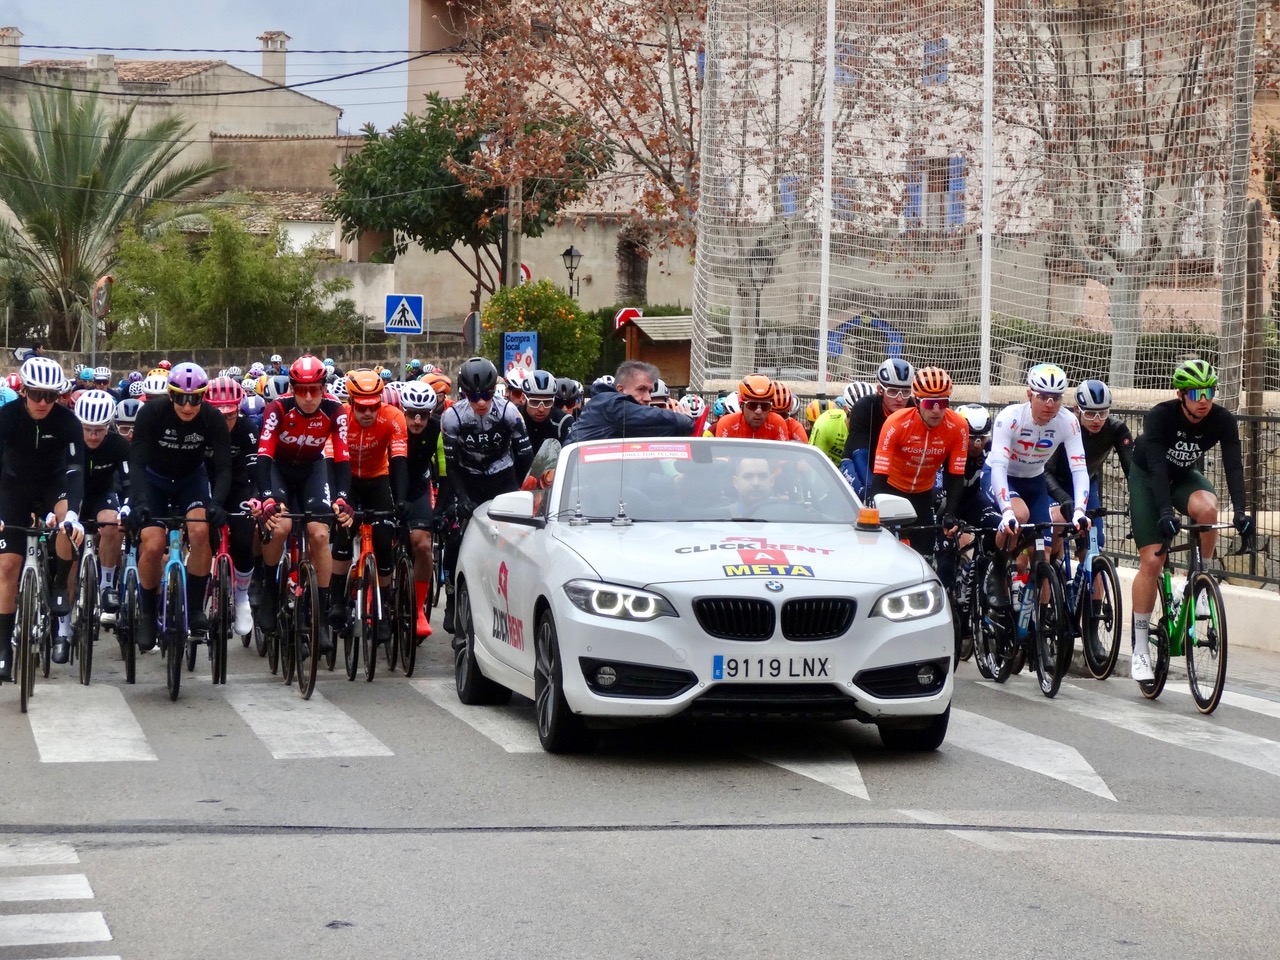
x: 276, y: 358
x: 256, y: 370
x: 732, y: 404
x: 135, y: 390
x: 1047, y: 378
x: 339, y: 389
x: 517, y: 379
x: 42, y: 373
x: 102, y: 373
x: 695, y: 404
x: 127, y: 410
x: 1093, y: 395
x: 660, y: 391
x: 235, y: 373
x: 896, y: 372
x: 857, y: 390
x: 95, y: 408
x: 978, y: 417
x: 156, y: 385
x: 418, y: 396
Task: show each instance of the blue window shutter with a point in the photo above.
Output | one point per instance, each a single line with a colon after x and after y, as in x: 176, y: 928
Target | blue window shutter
x: 942, y: 64
x: 846, y: 57
x: 789, y: 194
x: 702, y: 63
x: 845, y: 198
x: 935, y: 62
x: 955, y: 192
x: 915, y: 197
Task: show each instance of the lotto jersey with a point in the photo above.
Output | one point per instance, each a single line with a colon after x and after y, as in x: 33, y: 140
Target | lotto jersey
x: 371, y: 448
x: 911, y: 453
x: 291, y: 436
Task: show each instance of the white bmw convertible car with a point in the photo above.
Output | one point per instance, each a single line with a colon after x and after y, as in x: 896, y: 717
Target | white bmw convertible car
x: 648, y: 578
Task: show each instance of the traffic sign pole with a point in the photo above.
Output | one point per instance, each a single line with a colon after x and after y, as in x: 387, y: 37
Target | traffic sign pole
x: 404, y: 356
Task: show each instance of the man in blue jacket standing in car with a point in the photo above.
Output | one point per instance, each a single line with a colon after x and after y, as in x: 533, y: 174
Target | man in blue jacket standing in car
x: 625, y: 413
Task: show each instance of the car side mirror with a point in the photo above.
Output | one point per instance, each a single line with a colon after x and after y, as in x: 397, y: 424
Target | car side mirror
x: 514, y: 507
x: 893, y: 509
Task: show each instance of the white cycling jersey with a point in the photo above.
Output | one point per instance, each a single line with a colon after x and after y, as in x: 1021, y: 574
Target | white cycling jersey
x: 1020, y: 447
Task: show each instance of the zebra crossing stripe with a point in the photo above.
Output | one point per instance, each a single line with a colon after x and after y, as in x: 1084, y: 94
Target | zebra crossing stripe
x: 1233, y: 698
x: 296, y: 729
x: 77, y: 724
x: 999, y: 741
x: 512, y: 733
x: 70, y: 886
x: 29, y: 929
x: 840, y: 772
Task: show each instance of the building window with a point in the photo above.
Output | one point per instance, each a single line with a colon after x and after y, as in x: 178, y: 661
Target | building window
x: 936, y: 62
x: 935, y: 194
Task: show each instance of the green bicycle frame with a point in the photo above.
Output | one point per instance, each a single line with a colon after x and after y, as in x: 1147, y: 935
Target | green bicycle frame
x: 1182, y: 623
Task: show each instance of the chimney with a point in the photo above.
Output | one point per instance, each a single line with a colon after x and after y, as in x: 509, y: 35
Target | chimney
x: 10, y: 45
x: 273, y: 52
x: 102, y: 61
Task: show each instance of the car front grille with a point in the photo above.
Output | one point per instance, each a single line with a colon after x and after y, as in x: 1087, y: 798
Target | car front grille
x: 901, y: 680
x: 736, y: 618
x: 823, y: 701
x: 817, y: 618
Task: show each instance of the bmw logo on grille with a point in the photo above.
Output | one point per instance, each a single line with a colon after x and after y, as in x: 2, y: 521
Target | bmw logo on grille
x: 774, y: 586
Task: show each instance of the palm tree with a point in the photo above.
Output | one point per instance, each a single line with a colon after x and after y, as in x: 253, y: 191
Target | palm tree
x: 70, y: 178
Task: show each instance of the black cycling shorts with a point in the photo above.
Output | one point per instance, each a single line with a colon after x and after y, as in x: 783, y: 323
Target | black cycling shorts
x: 18, y: 505
x: 175, y: 497
x: 305, y: 487
x: 422, y: 514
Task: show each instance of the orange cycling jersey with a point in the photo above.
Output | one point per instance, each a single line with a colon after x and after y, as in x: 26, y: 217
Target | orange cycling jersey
x: 797, y: 432
x: 370, y: 448
x: 911, y: 453
x: 734, y: 425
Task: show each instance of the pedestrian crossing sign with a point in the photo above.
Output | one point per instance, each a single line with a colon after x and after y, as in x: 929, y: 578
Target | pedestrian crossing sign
x: 404, y: 313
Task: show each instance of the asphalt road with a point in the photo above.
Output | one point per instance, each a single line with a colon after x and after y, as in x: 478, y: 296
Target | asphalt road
x: 386, y: 820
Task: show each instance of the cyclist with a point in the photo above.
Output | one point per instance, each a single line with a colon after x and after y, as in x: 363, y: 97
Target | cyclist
x: 1164, y: 479
x: 977, y: 507
x: 226, y: 396
x: 1100, y: 433
x: 515, y: 379
x: 253, y: 407
x: 41, y: 454
x: 783, y: 401
x: 756, y: 421
x: 303, y: 440
x: 698, y: 409
x: 276, y: 366
x: 867, y: 417
x: 377, y: 446
x: 486, y: 450
x: 424, y: 452
x: 829, y: 433
x: 171, y: 440
x: 624, y: 412
x: 541, y: 421
x: 1023, y: 439
x: 660, y: 395
x: 106, y: 480
x: 569, y: 396
x: 126, y: 415
x: 915, y: 443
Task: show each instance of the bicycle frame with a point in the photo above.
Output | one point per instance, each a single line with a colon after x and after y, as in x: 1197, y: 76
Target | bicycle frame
x: 174, y: 560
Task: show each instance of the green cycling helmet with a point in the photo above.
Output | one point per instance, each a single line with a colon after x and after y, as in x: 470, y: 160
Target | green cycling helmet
x: 1191, y: 374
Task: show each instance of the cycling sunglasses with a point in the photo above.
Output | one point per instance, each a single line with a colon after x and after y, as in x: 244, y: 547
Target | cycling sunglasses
x: 307, y: 390
x: 1196, y: 394
x: 757, y: 405
x: 43, y: 396
x: 186, y: 399
x: 935, y: 403
x: 481, y: 397
x: 539, y: 403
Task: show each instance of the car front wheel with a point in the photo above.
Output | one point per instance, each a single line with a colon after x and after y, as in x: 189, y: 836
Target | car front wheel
x: 560, y: 730
x: 916, y: 737
x: 474, y: 688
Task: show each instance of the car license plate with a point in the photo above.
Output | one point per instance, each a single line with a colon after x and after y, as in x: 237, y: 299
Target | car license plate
x: 770, y: 668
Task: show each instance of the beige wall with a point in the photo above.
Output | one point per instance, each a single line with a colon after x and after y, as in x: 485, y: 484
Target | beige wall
x: 431, y: 27
x: 275, y: 164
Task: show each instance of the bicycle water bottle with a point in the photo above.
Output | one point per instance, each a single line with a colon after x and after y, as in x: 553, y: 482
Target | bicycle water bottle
x: 1017, y: 596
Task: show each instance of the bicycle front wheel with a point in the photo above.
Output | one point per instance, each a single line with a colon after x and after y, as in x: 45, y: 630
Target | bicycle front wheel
x: 1102, y: 619
x: 288, y: 610
x: 306, y: 630
x: 367, y: 617
x: 1206, y: 643
x: 1052, y: 631
x: 404, y: 616
x: 28, y: 618
x: 126, y: 622
x: 220, y: 622
x: 175, y: 643
x: 86, y: 627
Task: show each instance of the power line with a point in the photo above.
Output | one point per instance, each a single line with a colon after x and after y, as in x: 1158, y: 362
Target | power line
x: 67, y: 46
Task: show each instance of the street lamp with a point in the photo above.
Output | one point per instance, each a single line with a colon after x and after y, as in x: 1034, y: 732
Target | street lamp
x: 572, y: 257
x: 760, y: 266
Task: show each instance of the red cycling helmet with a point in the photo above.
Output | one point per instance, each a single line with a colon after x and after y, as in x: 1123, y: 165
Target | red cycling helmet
x: 307, y: 369
x: 224, y: 392
x: 164, y: 365
x: 15, y: 381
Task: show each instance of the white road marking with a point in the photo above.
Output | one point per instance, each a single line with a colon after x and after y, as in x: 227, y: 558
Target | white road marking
x: 68, y: 886
x: 1190, y: 731
x: 838, y: 772
x: 296, y: 729
x: 999, y: 741
x: 512, y: 733
x: 77, y: 724
x: 1234, y: 698
x: 983, y: 838
x: 39, y: 853
x: 27, y: 929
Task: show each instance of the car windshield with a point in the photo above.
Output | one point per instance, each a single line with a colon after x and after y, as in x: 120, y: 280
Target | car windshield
x: 704, y: 479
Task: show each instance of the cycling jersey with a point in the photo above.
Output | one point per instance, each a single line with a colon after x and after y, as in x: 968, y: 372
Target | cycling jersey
x: 244, y: 453
x: 294, y: 440
x: 1020, y: 448
x: 796, y: 430
x: 424, y: 457
x: 106, y: 469
x: 1171, y: 446
x: 735, y: 425
x: 555, y: 427
x: 829, y: 433
x: 485, y: 445
x: 41, y: 456
x: 372, y: 448
x: 910, y: 453
x: 167, y: 448
x: 1114, y: 435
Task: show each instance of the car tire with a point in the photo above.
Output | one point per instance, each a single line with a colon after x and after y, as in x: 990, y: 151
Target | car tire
x: 916, y: 738
x: 474, y: 688
x: 560, y: 730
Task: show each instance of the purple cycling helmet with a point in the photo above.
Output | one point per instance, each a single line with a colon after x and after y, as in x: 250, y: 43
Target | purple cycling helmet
x: 188, y: 378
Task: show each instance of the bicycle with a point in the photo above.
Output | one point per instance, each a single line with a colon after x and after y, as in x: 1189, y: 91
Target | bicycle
x: 127, y: 617
x: 404, y: 618
x: 176, y: 641
x: 1088, y: 615
x: 1035, y: 622
x: 364, y: 603
x: 86, y: 613
x: 1199, y: 624
x: 218, y: 608
x: 34, y: 622
x: 293, y: 639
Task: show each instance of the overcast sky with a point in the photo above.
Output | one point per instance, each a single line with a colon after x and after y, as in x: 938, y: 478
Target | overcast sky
x: 235, y: 24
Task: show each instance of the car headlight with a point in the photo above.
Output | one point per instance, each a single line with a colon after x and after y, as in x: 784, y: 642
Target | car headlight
x: 618, y: 602
x: 910, y: 603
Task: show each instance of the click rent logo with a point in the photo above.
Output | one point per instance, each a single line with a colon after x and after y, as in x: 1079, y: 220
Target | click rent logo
x: 506, y: 628
x: 757, y: 562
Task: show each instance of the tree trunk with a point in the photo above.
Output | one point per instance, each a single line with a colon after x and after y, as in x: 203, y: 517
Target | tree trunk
x: 633, y: 266
x: 1126, y: 325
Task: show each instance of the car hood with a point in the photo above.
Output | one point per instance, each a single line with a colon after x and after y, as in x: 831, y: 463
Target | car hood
x: 655, y: 553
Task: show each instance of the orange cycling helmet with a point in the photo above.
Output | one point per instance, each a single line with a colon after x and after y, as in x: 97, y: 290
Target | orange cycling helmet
x: 438, y: 382
x: 931, y: 383
x: 756, y: 386
x: 782, y: 398
x: 364, y: 387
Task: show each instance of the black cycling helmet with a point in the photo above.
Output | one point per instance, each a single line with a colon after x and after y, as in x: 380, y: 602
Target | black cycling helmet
x: 477, y: 375
x: 568, y: 392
